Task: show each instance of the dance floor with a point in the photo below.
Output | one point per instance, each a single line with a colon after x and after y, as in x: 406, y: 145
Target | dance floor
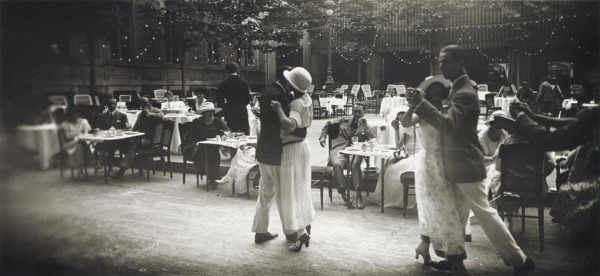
x: 54, y: 225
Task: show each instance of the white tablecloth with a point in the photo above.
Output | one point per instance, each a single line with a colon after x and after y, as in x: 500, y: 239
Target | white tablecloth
x: 481, y: 95
x: 178, y: 118
x: 504, y: 103
x: 42, y: 139
x: 328, y: 102
x: 176, y: 139
x: 390, y: 103
x: 173, y: 105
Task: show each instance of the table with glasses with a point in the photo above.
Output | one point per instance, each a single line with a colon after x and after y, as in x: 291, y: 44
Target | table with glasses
x: 329, y: 102
x: 504, y: 103
x: 390, y: 103
x: 481, y: 95
x: 174, y: 105
x: 42, y: 139
x: 230, y: 143
x: 132, y: 116
x: 382, y: 153
x: 109, y: 141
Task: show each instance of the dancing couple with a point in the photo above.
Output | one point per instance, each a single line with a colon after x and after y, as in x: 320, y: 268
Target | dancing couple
x: 449, y: 176
x: 283, y: 158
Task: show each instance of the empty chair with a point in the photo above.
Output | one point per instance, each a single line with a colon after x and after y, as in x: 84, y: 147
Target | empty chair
x: 343, y: 88
x: 82, y: 100
x: 318, y: 111
x: 58, y: 100
x: 482, y: 88
x: 125, y: 98
x: 401, y: 90
x: 159, y: 93
x: 490, y: 106
x: 355, y: 89
x: 366, y: 88
x: 391, y: 89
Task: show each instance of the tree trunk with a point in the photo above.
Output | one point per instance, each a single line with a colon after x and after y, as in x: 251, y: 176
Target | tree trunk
x: 182, y: 57
x: 92, y: 64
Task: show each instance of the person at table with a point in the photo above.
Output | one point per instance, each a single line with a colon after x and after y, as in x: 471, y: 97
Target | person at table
x: 405, y: 138
x: 296, y: 208
x: 504, y: 122
x: 576, y: 205
x: 78, y: 154
x: 440, y: 222
x: 201, y: 97
x: 549, y: 99
x: 233, y: 95
x: 490, y: 139
x: 114, y: 119
x: 350, y: 126
x: 147, y: 122
x: 525, y: 94
x: 205, y: 127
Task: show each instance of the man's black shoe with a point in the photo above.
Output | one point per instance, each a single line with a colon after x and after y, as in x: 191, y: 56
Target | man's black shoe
x: 263, y: 237
x: 525, y: 268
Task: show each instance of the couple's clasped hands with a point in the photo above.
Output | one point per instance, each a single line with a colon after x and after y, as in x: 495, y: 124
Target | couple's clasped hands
x: 414, y: 96
x: 518, y: 107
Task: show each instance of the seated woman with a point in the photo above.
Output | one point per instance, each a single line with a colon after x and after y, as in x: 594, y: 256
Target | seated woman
x: 490, y: 139
x: 405, y: 138
x: 207, y: 126
x: 78, y: 154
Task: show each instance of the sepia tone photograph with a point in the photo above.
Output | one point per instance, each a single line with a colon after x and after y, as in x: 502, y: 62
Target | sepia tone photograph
x: 299, y: 137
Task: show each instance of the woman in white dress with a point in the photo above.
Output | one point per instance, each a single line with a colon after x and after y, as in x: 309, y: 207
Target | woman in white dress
x: 404, y: 138
x: 296, y: 208
x: 439, y: 221
x: 78, y: 155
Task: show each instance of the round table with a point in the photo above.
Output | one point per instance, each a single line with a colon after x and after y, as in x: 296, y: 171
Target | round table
x: 42, y: 139
x: 178, y: 118
x: 330, y: 101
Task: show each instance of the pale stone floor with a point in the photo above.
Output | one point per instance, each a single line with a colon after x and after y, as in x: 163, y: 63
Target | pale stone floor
x: 63, y: 226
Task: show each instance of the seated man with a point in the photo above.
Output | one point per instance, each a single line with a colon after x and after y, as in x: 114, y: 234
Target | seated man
x: 147, y: 121
x: 112, y: 118
x: 508, y: 124
x: 350, y: 126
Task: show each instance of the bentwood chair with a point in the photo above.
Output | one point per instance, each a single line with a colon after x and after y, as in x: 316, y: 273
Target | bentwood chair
x: 160, y: 149
x: 408, y: 183
x: 522, y: 184
x: 159, y: 94
x: 318, y: 111
x: 82, y: 100
x: 490, y: 107
x: 184, y: 129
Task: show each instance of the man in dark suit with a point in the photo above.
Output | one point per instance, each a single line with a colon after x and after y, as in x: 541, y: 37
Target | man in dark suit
x: 233, y: 95
x: 147, y: 122
x: 463, y: 157
x: 268, y: 155
x: 549, y: 98
x: 112, y: 117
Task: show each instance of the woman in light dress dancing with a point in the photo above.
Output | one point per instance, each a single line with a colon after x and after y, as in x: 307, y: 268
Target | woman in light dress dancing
x: 439, y: 221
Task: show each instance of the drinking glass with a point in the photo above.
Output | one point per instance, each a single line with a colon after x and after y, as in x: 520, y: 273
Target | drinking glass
x: 354, y: 140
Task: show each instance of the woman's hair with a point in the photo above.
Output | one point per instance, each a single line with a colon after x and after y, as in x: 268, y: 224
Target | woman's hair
x: 434, y: 88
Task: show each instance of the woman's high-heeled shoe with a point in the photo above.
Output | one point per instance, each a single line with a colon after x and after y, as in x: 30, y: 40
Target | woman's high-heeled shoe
x: 304, y: 239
